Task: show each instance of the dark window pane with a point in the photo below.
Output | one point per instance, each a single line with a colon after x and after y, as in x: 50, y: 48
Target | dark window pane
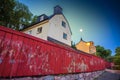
x: 63, y: 24
x: 39, y: 30
x: 64, y: 36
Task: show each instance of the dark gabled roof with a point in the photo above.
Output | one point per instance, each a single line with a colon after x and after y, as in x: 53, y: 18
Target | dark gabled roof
x: 38, y: 21
x: 25, y: 27
x: 47, y: 18
x: 68, y: 24
x: 83, y: 41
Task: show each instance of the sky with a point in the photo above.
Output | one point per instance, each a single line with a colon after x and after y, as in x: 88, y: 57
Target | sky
x: 99, y: 19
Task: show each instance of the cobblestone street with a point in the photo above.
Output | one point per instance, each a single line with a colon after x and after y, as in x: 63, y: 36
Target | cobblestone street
x: 109, y: 75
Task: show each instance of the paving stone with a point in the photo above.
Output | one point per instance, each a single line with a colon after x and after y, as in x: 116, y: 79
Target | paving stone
x: 109, y: 76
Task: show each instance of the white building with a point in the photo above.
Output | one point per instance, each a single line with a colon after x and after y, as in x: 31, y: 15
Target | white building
x: 52, y: 28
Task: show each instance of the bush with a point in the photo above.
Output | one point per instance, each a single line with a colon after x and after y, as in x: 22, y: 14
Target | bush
x: 116, y: 60
x: 116, y: 67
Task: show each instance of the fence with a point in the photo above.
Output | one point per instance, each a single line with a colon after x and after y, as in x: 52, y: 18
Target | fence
x: 25, y: 55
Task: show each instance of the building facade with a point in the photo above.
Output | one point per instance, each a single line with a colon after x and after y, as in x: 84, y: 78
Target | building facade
x: 53, y: 28
x: 87, y: 47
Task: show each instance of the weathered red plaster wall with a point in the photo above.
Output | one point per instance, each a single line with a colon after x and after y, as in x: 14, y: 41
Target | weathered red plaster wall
x: 25, y: 55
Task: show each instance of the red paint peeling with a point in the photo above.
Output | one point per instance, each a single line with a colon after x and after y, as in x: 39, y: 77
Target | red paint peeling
x: 25, y: 55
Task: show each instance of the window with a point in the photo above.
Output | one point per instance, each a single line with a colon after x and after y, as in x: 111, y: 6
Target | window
x: 64, y: 36
x: 29, y: 32
x: 39, y: 30
x: 63, y: 24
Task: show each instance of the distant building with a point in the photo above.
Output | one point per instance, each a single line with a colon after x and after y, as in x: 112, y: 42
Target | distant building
x: 87, y: 47
x: 53, y: 28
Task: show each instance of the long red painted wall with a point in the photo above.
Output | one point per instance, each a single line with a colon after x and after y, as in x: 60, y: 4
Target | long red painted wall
x: 25, y: 55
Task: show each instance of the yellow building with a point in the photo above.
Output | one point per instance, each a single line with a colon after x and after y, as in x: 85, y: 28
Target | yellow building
x: 87, y: 47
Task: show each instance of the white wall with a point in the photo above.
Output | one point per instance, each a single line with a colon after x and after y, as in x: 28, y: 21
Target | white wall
x: 56, y: 29
x: 43, y: 34
x: 53, y: 29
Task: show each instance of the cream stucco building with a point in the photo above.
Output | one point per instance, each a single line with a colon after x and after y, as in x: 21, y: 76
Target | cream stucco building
x: 52, y: 28
x: 87, y: 47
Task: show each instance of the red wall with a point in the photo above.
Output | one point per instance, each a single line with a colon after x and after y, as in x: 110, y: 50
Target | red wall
x: 25, y: 55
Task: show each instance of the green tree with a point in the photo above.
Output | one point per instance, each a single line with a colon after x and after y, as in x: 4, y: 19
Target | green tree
x: 34, y: 19
x: 6, y: 10
x: 107, y: 52
x: 14, y: 13
x: 22, y: 15
x: 99, y: 51
x: 73, y: 45
x: 116, y: 59
x: 117, y: 51
x: 102, y: 52
x: 110, y: 58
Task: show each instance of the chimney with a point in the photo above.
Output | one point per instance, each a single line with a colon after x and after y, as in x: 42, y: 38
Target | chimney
x: 57, y: 10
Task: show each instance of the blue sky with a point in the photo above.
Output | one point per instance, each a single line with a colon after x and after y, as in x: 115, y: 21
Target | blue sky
x: 99, y: 19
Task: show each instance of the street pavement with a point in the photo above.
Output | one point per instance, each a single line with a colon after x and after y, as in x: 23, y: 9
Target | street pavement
x: 109, y: 75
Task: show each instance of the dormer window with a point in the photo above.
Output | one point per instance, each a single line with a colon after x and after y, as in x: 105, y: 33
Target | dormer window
x: 39, y: 30
x: 63, y: 24
x: 41, y: 18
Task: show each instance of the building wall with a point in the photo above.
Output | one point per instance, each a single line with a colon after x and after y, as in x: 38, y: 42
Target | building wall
x: 83, y: 46
x: 86, y: 47
x: 52, y: 28
x: 56, y: 29
x: 43, y: 34
x: 93, y: 49
x: 78, y: 76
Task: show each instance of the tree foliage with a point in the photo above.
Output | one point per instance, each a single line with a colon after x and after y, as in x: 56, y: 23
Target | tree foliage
x: 22, y: 15
x: 34, y: 19
x: 6, y: 11
x: 117, y: 51
x: 14, y: 13
x: 102, y: 52
x: 116, y: 59
x: 110, y: 58
x: 117, y: 56
x: 73, y: 45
